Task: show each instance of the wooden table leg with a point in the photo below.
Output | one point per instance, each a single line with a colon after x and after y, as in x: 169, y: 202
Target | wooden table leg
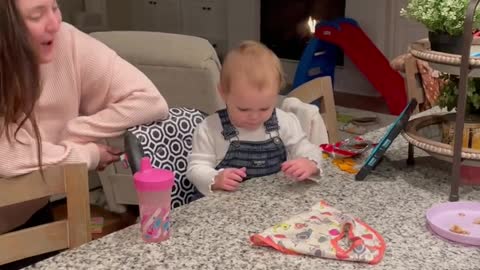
x: 411, y: 152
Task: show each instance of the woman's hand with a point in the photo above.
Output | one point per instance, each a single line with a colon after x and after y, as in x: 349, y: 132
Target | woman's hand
x: 229, y: 179
x: 108, y: 155
x: 299, y: 169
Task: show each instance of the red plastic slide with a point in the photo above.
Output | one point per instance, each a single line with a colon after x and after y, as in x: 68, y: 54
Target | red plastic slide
x: 369, y: 60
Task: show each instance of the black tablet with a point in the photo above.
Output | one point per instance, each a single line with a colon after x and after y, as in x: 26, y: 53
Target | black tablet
x: 387, y: 139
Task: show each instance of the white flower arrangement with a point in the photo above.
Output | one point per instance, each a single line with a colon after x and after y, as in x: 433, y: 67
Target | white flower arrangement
x: 441, y: 16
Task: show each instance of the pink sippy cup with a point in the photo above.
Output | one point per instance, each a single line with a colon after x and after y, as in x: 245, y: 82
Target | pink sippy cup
x: 154, y: 187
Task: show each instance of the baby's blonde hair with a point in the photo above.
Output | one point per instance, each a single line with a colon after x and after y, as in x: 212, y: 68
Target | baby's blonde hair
x: 255, y: 61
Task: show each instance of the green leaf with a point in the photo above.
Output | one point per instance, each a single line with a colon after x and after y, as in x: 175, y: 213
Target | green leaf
x: 449, y: 94
x: 443, y: 16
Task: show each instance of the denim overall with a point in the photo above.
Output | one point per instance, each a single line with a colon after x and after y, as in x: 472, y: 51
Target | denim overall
x: 259, y: 157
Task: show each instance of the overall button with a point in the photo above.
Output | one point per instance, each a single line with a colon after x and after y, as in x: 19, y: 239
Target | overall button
x: 235, y: 144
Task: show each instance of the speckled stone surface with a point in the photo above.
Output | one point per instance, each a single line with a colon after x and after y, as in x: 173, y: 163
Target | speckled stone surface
x: 213, y: 233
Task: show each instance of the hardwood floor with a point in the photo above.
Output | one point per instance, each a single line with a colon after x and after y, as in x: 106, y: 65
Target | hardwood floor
x: 111, y: 221
x: 367, y: 103
x: 374, y: 104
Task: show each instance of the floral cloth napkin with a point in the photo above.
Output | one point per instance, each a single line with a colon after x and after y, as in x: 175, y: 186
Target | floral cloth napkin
x: 324, y: 232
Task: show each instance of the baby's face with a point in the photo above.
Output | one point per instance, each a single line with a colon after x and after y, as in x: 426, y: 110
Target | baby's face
x: 249, y: 107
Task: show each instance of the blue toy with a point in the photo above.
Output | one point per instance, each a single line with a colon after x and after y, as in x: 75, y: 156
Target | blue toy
x: 319, y: 57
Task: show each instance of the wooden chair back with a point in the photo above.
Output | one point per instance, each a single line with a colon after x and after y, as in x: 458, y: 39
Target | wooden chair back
x: 320, y: 90
x: 72, y: 180
x: 413, y: 81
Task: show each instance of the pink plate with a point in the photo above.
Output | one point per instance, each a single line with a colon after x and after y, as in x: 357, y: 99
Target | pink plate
x: 441, y: 217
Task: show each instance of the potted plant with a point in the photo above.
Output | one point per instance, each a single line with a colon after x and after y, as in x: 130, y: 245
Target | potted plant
x: 471, y: 132
x: 444, y: 20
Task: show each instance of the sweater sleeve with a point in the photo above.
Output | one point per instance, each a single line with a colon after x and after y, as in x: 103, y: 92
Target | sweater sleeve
x: 297, y: 143
x: 20, y: 157
x: 202, y: 161
x: 114, y: 95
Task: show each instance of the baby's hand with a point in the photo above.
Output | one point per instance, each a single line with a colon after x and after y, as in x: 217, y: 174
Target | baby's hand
x: 229, y: 179
x: 299, y: 169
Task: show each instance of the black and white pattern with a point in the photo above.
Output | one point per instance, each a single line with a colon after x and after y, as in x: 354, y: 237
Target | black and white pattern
x: 168, y: 143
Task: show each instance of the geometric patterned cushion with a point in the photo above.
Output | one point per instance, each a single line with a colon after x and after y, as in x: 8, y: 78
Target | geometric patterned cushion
x: 168, y: 143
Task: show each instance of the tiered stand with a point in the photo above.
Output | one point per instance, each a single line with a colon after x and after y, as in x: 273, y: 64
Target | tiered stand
x: 464, y: 66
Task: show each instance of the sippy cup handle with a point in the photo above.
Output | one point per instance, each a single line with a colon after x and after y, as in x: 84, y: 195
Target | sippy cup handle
x: 134, y: 151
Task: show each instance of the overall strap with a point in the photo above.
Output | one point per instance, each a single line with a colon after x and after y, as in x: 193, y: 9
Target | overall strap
x: 272, y: 123
x: 229, y: 131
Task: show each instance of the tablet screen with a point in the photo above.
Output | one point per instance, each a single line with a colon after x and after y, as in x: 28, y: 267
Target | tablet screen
x: 387, y: 139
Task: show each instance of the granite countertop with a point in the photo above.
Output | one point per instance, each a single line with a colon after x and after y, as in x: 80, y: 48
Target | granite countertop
x: 213, y: 233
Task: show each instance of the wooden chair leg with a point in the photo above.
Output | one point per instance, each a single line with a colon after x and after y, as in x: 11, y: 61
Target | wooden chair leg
x: 78, y: 205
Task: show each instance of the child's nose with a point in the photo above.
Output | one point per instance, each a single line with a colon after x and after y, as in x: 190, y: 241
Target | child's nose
x: 253, y: 116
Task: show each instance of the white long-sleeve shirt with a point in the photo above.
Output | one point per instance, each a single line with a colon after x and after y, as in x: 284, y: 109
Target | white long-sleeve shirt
x: 209, y: 146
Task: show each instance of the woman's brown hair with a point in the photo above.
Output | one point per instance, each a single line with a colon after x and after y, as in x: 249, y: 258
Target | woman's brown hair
x: 20, y: 84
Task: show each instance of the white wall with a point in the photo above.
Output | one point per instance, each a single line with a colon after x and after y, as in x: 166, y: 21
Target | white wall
x: 69, y: 7
x: 404, y: 31
x: 165, y: 16
x: 119, y: 12
x: 243, y: 21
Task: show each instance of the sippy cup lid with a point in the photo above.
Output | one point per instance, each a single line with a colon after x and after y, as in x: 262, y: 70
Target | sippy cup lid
x: 152, y: 179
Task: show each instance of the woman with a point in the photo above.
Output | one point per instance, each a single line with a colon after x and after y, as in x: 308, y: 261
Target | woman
x: 61, y: 91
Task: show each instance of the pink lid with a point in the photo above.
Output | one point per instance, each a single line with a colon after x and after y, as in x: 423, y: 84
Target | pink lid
x: 152, y: 179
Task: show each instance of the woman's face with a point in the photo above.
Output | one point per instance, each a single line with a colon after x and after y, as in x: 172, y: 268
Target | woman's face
x: 42, y: 18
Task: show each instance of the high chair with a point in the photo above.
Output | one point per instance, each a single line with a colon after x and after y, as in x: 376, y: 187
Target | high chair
x: 72, y: 180
x: 167, y: 143
x: 320, y: 90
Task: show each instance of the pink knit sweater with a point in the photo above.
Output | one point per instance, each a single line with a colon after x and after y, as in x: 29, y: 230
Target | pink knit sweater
x: 89, y: 93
